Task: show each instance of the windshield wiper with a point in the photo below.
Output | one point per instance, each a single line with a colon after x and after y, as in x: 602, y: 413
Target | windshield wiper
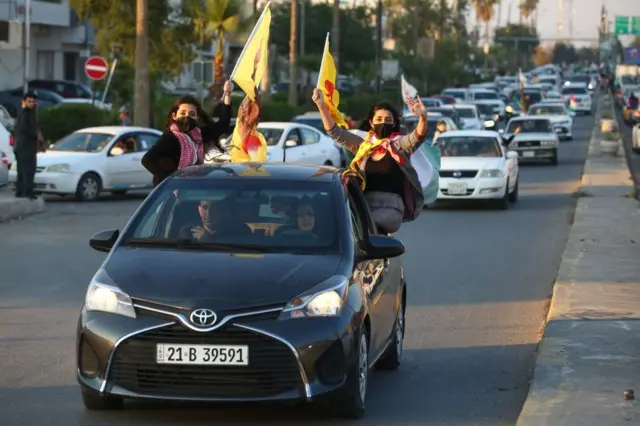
x: 195, y: 244
x: 150, y: 242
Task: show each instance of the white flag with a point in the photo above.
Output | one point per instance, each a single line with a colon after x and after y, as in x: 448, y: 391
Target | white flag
x: 522, y: 78
x: 408, y: 91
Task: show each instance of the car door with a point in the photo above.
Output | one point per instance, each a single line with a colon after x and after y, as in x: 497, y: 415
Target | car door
x: 317, y: 152
x: 123, y: 162
x: 511, y: 165
x: 297, y: 153
x: 380, y: 277
x: 145, y: 141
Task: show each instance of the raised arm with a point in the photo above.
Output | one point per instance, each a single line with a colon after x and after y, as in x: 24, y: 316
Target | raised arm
x: 342, y: 136
x: 212, y: 131
x: 411, y: 142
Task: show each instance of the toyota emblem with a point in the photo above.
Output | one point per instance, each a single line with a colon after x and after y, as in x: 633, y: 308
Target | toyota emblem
x: 457, y: 174
x: 203, y: 317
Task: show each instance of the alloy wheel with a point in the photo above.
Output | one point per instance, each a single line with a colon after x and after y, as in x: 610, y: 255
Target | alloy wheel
x: 90, y: 188
x: 363, y: 368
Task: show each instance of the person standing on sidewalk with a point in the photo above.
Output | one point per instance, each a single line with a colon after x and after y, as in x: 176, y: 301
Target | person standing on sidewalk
x: 28, y: 140
x: 125, y: 120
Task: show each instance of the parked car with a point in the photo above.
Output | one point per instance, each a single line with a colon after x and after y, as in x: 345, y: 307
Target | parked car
x: 92, y: 160
x: 265, y: 309
x: 4, y: 168
x: 66, y: 89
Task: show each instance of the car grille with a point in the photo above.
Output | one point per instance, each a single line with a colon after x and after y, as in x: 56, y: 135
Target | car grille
x: 446, y: 192
x: 272, y: 369
x: 526, y: 144
x: 464, y: 174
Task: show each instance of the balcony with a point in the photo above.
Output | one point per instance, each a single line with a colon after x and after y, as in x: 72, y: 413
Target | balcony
x: 43, y: 12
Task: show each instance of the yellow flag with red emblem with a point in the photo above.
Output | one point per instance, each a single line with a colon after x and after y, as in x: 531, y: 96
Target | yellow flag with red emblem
x: 327, y: 79
x: 253, y: 148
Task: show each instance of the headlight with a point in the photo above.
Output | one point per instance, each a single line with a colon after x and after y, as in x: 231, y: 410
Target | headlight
x: 58, y: 168
x: 324, y: 300
x: 492, y: 173
x: 104, y: 296
x: 489, y: 123
x: 547, y: 143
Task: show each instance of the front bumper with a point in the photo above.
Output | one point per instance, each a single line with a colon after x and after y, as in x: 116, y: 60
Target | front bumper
x: 535, y: 153
x: 298, y: 359
x: 474, y: 189
x: 563, y: 131
x: 51, y: 183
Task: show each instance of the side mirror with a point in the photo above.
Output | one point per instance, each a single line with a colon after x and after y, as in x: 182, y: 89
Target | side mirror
x: 512, y: 154
x: 103, y: 241
x: 290, y: 144
x: 381, y: 247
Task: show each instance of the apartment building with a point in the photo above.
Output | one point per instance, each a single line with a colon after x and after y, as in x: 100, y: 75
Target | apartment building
x: 60, y: 42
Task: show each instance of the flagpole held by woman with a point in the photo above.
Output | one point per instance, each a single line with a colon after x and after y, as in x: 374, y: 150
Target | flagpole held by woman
x: 383, y: 160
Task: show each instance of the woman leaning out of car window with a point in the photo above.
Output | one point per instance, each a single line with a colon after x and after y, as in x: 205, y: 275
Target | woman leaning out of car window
x: 188, y: 135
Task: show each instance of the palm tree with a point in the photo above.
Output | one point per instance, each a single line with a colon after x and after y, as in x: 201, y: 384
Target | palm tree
x: 485, y: 13
x: 141, y: 78
x: 527, y: 9
x: 293, y: 43
x: 217, y: 19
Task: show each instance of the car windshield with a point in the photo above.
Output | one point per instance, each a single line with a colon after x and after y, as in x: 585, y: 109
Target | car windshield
x: 547, y: 110
x: 255, y: 214
x: 315, y: 122
x: 529, y: 126
x: 485, y: 95
x: 485, y: 109
x: 458, y: 94
x: 447, y: 100
x: 466, y: 112
x: 447, y: 112
x: 432, y: 122
x: 83, y: 142
x: 532, y: 97
x: 574, y: 91
x: 579, y: 79
x: 469, y: 146
x: 271, y: 135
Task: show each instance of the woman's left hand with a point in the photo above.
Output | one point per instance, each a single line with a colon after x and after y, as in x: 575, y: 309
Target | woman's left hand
x: 417, y: 107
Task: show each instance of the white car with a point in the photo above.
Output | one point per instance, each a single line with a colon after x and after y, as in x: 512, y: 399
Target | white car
x: 475, y: 166
x: 469, y: 116
x: 4, y: 169
x: 459, y: 94
x: 635, y: 137
x: 299, y: 143
x: 553, y: 97
x: 480, y: 94
x: 495, y: 106
x: 580, y: 93
x: 93, y: 160
x: 411, y: 121
x: 560, y: 117
x: 6, y: 144
x: 537, y: 140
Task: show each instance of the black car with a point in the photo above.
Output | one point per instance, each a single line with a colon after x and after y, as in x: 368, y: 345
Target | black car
x: 243, y: 282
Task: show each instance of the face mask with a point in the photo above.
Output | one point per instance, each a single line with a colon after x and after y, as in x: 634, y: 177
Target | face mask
x: 383, y: 130
x: 186, y: 124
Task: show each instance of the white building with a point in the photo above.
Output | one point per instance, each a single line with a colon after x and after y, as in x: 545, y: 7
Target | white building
x: 60, y: 42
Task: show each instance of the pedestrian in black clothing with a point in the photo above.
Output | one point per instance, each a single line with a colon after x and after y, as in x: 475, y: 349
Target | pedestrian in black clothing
x: 28, y: 141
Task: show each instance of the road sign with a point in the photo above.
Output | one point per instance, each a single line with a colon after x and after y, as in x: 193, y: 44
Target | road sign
x: 96, y: 68
x: 632, y: 55
x: 627, y: 25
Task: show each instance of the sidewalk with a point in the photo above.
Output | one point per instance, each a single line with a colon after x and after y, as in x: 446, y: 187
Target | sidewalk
x: 590, y: 351
x: 16, y: 208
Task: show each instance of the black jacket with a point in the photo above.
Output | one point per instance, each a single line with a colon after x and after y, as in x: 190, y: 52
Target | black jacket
x: 163, y: 157
x: 26, y: 132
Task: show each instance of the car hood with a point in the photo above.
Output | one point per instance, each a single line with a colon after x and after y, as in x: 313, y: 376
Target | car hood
x: 57, y: 157
x: 557, y: 118
x: 534, y: 136
x: 222, y: 281
x: 470, y: 163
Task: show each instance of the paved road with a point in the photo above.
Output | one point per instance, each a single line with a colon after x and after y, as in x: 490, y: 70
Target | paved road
x: 479, y: 284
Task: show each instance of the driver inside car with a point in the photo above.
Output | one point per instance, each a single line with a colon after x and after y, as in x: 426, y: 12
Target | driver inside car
x: 216, y: 221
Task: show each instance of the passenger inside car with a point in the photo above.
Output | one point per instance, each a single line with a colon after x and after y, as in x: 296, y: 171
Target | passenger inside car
x: 305, y: 219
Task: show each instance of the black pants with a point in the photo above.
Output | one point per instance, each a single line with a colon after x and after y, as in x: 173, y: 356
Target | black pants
x: 26, y: 164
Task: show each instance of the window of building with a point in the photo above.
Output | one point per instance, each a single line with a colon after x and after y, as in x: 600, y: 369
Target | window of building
x: 46, y: 64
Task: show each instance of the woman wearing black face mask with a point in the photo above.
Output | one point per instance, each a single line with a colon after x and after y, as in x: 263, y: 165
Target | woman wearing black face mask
x: 188, y: 135
x: 383, y: 160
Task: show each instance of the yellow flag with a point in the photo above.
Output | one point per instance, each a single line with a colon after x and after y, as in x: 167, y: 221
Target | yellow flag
x: 327, y: 85
x: 252, y: 149
x: 254, y: 59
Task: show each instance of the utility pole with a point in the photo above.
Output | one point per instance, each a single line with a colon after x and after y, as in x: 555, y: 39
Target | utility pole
x: 335, y: 35
x: 26, y: 47
x: 379, y: 47
x: 303, y: 22
x: 293, y: 70
x: 141, y: 78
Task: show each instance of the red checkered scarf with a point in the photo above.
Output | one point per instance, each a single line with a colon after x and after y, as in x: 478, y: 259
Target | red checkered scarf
x: 186, y: 149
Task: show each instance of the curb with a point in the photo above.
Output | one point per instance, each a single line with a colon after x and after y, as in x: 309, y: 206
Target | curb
x: 17, y: 208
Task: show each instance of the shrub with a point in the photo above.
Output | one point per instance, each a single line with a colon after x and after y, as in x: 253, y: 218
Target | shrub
x: 606, y: 115
x: 61, y: 120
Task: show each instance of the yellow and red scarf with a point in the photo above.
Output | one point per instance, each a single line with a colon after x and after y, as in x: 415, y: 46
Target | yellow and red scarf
x: 372, y: 145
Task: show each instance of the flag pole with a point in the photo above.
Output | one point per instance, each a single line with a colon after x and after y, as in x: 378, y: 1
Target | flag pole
x: 253, y: 32
x: 324, y: 53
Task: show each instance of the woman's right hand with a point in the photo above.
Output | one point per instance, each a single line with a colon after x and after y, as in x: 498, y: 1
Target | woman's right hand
x: 318, y: 98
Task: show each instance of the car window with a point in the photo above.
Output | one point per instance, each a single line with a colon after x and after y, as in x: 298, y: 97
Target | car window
x: 252, y: 212
x: 147, y: 140
x: 469, y: 146
x: 309, y: 137
x: 529, y: 126
x: 127, y: 143
x: 467, y: 112
x: 272, y: 136
x: 3, y: 113
x: 83, y: 142
x: 485, y: 95
x: 547, y: 110
x: 47, y: 97
x: 574, y: 91
x: 294, y: 135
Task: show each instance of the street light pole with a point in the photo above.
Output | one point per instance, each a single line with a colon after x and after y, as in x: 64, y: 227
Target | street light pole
x: 27, y: 45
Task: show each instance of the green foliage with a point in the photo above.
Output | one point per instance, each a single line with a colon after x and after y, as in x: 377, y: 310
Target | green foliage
x: 59, y: 121
x: 171, y: 33
x: 356, y: 33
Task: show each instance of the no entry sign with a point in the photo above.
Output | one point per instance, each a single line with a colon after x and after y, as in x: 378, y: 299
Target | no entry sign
x: 96, y: 68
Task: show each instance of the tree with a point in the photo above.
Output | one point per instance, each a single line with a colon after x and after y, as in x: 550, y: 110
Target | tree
x: 170, y: 33
x: 485, y: 12
x: 519, y: 40
x: 141, y: 80
x: 564, y: 53
x: 293, y: 47
x: 542, y: 56
x: 527, y: 9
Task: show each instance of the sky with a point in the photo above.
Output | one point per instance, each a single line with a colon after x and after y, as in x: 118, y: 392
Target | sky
x: 586, y: 17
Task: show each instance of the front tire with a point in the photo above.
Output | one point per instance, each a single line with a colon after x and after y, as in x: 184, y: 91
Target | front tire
x: 503, y: 203
x: 89, y: 187
x: 352, y: 402
x: 95, y: 402
x: 392, y: 357
x: 513, y: 197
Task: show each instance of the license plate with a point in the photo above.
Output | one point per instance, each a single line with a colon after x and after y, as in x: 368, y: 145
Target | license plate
x: 202, y: 354
x: 528, y: 154
x: 457, y: 188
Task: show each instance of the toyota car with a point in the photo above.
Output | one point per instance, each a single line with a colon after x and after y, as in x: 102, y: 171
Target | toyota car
x: 243, y: 282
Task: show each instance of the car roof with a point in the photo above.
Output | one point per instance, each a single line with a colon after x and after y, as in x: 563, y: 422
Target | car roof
x: 116, y: 130
x: 530, y: 117
x: 547, y: 104
x: 577, y: 84
x: 276, y: 171
x: 472, y: 133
